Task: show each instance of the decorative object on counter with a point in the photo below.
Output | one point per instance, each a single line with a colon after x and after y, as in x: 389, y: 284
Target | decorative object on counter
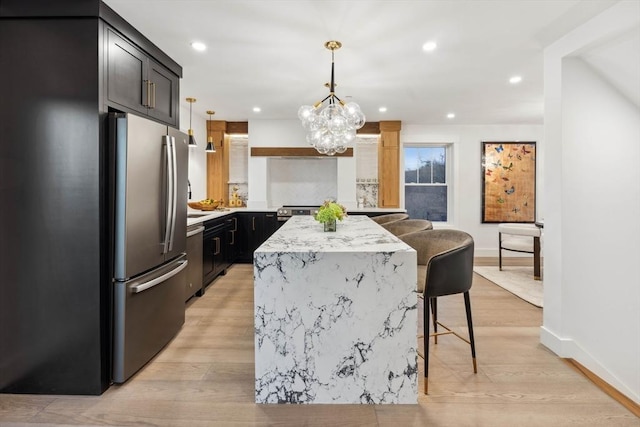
x: 210, y: 147
x: 333, y: 127
x: 192, y: 140
x: 235, y: 200
x: 329, y: 213
x: 205, y: 204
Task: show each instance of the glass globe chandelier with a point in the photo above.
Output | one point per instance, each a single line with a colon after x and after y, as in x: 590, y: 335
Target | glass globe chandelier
x: 332, y: 127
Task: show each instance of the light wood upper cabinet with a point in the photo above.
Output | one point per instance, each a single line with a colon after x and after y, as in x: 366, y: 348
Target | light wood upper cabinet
x: 389, y: 165
x: 218, y: 162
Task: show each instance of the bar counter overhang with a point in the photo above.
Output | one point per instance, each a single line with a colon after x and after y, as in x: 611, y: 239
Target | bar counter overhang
x: 335, y: 315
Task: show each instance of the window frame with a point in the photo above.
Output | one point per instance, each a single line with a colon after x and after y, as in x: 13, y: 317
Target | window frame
x: 448, y: 148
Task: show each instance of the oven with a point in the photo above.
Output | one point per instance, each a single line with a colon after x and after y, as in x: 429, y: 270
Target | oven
x: 286, y: 212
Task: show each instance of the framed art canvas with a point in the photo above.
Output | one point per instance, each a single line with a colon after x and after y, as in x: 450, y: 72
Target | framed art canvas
x: 508, y: 182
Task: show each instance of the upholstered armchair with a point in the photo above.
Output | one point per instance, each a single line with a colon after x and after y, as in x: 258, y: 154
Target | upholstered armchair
x: 383, y: 219
x: 406, y: 226
x: 524, y: 238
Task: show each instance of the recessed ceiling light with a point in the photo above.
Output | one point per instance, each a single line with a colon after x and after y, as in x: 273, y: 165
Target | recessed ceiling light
x: 382, y: 109
x: 451, y: 116
x: 256, y: 109
x: 515, y: 80
x: 199, y: 46
x: 429, y: 46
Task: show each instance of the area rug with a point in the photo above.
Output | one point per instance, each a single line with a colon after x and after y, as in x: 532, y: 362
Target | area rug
x: 517, y: 280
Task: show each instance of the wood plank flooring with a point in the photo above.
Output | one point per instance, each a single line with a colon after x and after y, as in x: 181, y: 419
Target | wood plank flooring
x: 204, y: 377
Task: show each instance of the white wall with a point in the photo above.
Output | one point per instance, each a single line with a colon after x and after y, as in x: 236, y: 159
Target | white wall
x: 592, y: 232
x: 289, y: 133
x: 197, y: 155
x: 466, y: 211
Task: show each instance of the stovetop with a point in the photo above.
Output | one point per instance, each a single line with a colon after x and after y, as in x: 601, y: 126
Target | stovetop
x: 290, y: 210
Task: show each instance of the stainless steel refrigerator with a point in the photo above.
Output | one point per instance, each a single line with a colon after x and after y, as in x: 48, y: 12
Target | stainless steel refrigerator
x: 149, y: 243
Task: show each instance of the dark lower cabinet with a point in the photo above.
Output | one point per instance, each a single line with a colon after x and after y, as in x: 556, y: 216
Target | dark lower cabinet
x: 271, y: 225
x: 233, y: 244
x: 214, y: 253
x: 254, y: 228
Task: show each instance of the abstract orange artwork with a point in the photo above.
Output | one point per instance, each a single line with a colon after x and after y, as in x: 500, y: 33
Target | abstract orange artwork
x: 508, y: 182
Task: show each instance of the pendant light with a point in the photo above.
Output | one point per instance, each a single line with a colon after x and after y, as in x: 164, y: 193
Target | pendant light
x: 210, y: 147
x: 332, y: 127
x: 192, y: 140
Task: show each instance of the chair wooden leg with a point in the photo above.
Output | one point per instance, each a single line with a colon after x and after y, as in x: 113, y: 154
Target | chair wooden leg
x: 500, y: 251
x: 425, y: 322
x: 536, y: 258
x: 467, y: 306
x: 434, y: 316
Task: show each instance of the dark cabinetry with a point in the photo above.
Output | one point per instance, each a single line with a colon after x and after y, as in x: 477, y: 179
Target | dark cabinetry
x: 136, y: 82
x: 233, y: 244
x: 214, y: 253
x: 194, y: 256
x: 55, y: 320
x: 255, y: 228
x: 271, y: 225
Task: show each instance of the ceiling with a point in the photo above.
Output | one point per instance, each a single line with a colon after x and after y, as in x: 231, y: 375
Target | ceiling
x: 270, y: 54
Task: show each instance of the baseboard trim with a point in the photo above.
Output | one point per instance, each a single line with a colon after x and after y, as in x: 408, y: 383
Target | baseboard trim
x: 567, y: 349
x: 605, y: 386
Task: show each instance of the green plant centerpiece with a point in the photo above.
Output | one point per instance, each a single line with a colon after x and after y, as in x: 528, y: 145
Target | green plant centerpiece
x: 329, y: 213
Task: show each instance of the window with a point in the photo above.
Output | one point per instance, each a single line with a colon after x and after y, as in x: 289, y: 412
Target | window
x: 426, y: 192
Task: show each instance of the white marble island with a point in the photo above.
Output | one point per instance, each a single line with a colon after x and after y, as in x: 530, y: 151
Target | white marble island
x: 335, y: 315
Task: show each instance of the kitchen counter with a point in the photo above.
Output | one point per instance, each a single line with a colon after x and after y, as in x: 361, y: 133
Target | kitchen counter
x: 335, y: 315
x: 203, y: 216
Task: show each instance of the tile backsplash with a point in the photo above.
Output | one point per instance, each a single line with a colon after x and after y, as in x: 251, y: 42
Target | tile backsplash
x: 297, y: 181
x: 367, y: 194
x: 238, y: 168
x: 306, y: 181
x: 367, y: 172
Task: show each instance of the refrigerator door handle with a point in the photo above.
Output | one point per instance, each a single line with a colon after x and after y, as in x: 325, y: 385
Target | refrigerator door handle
x: 174, y: 192
x: 151, y: 283
x: 169, y: 195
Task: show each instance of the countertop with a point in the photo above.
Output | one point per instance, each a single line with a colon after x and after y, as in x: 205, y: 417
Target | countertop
x: 335, y: 315
x: 209, y: 215
x: 218, y: 213
x: 355, y: 233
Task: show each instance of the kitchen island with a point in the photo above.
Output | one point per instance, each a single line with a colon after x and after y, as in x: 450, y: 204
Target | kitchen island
x: 335, y: 315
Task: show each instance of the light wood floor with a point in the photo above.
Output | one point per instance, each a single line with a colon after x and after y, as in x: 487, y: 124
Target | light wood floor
x: 204, y: 377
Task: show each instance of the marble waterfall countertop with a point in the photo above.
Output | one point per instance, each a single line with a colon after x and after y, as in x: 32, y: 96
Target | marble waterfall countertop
x: 335, y: 315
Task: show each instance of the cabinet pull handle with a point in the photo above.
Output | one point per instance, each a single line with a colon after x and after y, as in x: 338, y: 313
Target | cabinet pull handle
x: 235, y: 224
x: 233, y: 238
x: 147, y: 95
x: 253, y: 223
x: 217, y: 240
x: 153, y: 96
